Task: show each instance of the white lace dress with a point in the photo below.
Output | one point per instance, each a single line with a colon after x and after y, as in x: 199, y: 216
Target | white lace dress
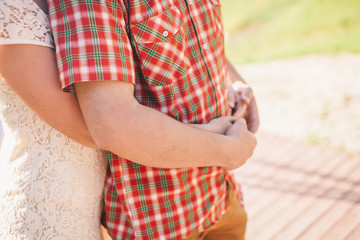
x: 50, y: 186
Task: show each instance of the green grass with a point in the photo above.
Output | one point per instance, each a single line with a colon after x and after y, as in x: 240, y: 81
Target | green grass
x: 261, y: 30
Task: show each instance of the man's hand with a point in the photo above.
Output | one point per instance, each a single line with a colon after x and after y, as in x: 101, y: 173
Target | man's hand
x: 220, y: 125
x: 243, y: 104
x: 243, y: 141
x: 217, y: 125
x: 241, y: 99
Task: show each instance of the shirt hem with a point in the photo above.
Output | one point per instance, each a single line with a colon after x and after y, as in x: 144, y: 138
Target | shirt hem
x: 22, y: 41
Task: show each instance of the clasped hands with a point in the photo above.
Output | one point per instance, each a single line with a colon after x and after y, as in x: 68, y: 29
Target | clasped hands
x: 243, y: 104
x: 239, y: 128
x: 244, y: 108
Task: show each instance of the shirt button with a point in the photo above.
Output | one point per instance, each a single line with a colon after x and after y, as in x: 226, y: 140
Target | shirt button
x: 166, y: 33
x: 191, y: 2
x: 206, y: 46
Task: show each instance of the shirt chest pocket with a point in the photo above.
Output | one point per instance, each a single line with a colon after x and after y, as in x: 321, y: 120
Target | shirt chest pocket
x: 160, y: 45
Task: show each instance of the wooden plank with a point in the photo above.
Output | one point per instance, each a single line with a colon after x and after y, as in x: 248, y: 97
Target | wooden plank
x: 345, y: 187
x: 294, y: 190
x: 348, y: 223
x: 261, y: 228
x: 287, y: 209
x: 251, y: 184
x: 266, y: 142
x: 283, y: 181
x: 268, y: 203
x: 250, y: 172
x: 345, y: 226
x: 325, y: 220
x: 266, y: 170
x: 318, y: 206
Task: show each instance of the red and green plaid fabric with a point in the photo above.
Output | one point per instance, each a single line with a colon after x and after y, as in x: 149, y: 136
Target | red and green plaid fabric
x: 173, y: 51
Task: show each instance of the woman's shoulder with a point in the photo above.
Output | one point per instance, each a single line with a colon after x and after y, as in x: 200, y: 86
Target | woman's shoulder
x: 23, y: 22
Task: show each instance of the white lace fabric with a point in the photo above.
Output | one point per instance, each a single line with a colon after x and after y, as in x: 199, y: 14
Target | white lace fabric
x: 50, y: 186
x: 23, y: 22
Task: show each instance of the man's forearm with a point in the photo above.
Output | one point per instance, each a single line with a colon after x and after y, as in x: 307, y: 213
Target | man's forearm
x: 118, y: 123
x: 154, y: 139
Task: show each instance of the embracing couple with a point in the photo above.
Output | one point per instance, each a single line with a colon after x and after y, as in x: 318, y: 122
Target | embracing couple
x: 152, y: 87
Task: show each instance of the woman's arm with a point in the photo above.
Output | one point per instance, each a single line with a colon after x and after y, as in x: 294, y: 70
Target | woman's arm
x: 31, y: 72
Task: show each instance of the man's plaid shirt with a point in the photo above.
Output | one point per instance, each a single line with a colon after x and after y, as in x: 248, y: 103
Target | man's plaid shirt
x: 173, y: 51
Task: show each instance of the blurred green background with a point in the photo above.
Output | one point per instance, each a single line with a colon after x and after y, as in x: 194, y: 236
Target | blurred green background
x: 302, y: 59
x: 261, y: 30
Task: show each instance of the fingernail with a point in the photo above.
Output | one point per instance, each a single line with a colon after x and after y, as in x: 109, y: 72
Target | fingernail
x: 246, y: 100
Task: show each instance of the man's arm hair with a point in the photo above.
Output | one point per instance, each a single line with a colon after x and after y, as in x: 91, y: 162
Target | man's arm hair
x: 118, y: 123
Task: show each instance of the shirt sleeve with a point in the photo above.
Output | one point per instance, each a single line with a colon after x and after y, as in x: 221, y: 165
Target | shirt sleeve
x: 91, y: 41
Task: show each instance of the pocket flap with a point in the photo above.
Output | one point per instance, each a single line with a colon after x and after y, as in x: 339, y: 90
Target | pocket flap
x: 159, y: 27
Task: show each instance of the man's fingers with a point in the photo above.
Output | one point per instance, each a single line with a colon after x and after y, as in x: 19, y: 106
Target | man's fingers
x: 240, y: 107
x: 252, y: 117
x: 240, y: 121
x: 232, y: 95
x: 253, y: 125
x: 239, y: 111
x: 246, y: 95
x: 234, y: 128
x: 245, y: 106
x: 244, y: 90
x: 230, y: 118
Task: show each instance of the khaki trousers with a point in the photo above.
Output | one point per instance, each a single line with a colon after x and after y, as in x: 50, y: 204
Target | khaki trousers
x: 231, y: 225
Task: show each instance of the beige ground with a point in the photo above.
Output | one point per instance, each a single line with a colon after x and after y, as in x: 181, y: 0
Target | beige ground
x: 312, y: 98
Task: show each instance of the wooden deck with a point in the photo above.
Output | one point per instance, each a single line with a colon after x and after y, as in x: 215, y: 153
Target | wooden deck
x: 299, y: 191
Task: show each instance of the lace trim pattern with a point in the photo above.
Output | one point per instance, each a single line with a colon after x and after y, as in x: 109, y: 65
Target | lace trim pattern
x: 51, y: 187
x: 23, y: 22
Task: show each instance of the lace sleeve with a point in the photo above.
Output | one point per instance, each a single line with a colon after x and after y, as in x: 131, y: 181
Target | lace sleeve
x: 23, y: 22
